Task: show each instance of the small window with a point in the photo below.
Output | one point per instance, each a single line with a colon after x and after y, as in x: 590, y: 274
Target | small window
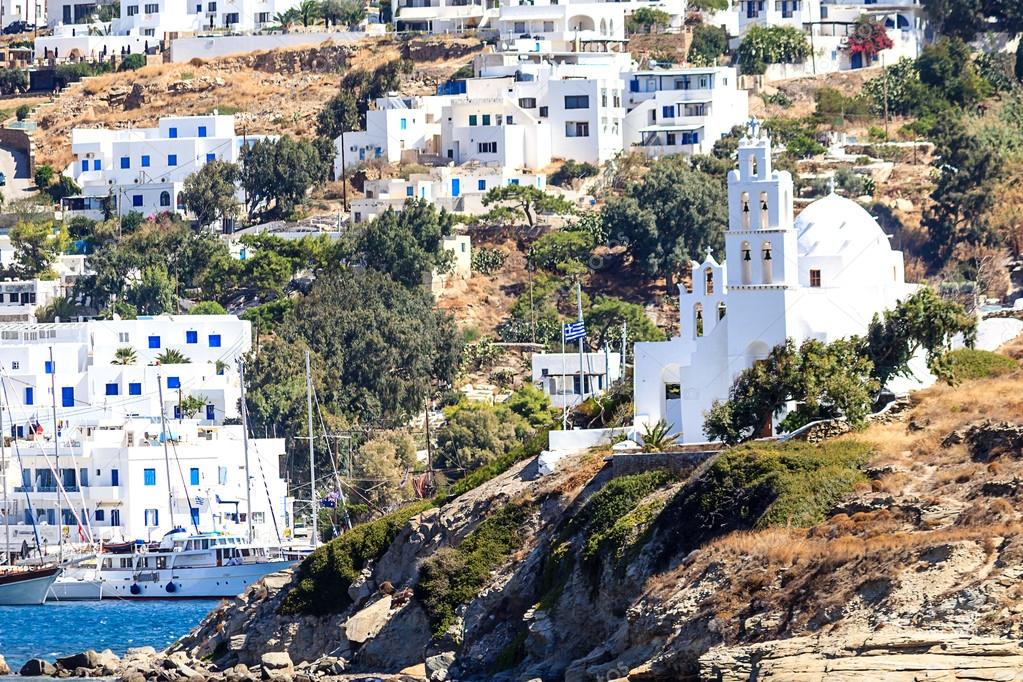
x: 211, y: 157
x: 481, y: 185
x: 154, y: 341
x: 136, y: 200
x: 145, y: 160
x: 202, y: 129
x: 85, y: 165
x: 149, y: 476
x: 115, y: 477
x: 112, y: 389
x: 125, y: 162
x: 48, y: 366
x: 214, y: 340
x: 543, y: 112
x: 172, y: 133
x: 165, y: 198
x: 404, y: 124
x: 29, y: 395
x: 172, y: 160
x: 133, y: 10
x: 193, y: 476
x: 487, y: 147
x: 191, y: 337
x: 527, y: 102
x: 67, y: 396
x: 173, y: 382
x: 153, y: 517
x: 222, y: 475
x: 577, y: 101
x: 486, y: 119
x: 409, y: 191
x: 97, y: 164
x: 100, y: 515
x: 473, y: 119
x: 134, y: 389
x: 708, y: 281
x: 815, y: 277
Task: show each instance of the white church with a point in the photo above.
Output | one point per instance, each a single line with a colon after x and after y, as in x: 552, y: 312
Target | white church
x: 820, y: 276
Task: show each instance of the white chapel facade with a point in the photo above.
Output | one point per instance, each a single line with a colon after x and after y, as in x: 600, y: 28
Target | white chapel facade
x: 820, y: 276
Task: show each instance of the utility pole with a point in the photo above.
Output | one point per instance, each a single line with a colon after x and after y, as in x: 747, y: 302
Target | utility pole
x: 56, y: 458
x: 344, y: 168
x: 429, y: 448
x: 245, y: 447
x: 3, y: 486
x: 312, y: 458
x: 884, y: 82
x: 166, y: 454
x: 582, y: 371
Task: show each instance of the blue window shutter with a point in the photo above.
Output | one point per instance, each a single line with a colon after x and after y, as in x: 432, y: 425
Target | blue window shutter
x: 145, y: 161
x: 455, y: 187
x: 125, y: 162
x: 134, y: 389
x: 173, y: 132
x: 211, y: 412
x: 67, y: 396
x: 172, y: 159
x: 115, y: 477
x: 193, y: 476
x: 481, y: 185
x: 214, y: 340
x: 154, y: 341
x: 29, y: 395
x: 97, y: 164
x: 111, y: 389
x: 191, y: 337
x: 85, y: 165
x: 195, y: 516
x: 409, y: 191
x: 150, y: 476
x: 202, y: 131
x: 48, y: 366
x: 404, y: 124
x: 211, y: 157
x: 173, y: 382
x: 136, y: 200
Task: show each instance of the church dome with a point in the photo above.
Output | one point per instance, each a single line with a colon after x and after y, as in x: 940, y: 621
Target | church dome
x: 836, y: 226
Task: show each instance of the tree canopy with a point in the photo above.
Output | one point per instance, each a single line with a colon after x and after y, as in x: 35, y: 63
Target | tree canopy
x: 209, y: 193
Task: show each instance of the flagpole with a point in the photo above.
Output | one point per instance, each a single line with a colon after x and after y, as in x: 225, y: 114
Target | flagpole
x: 582, y: 373
x: 564, y: 406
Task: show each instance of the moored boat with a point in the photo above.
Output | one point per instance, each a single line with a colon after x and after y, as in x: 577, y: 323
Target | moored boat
x: 25, y: 586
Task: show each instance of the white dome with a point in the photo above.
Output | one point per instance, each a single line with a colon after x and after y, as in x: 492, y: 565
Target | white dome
x: 836, y: 226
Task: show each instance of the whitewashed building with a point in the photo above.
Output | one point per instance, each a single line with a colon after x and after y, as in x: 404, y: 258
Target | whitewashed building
x: 144, y: 169
x: 821, y: 275
x: 454, y: 188
x: 29, y: 11
x: 682, y: 111
x: 568, y: 382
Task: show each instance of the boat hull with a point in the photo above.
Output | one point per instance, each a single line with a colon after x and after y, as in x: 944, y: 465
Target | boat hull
x: 215, y: 582
x: 28, y: 590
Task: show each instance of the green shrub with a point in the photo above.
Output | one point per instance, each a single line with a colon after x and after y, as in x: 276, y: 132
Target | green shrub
x: 832, y: 105
x: 22, y: 112
x: 709, y: 43
x: 268, y: 315
x: 453, y: 576
x: 573, y: 170
x: 133, y: 62
x: 481, y: 475
x: 968, y: 364
x: 325, y: 575
x: 772, y: 45
x: 487, y: 261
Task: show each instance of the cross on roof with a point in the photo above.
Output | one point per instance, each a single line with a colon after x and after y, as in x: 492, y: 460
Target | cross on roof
x: 753, y: 126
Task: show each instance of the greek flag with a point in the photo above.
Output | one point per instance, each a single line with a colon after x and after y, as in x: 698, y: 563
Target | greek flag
x: 574, y: 331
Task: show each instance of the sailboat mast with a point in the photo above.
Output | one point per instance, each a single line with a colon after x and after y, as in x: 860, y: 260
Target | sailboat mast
x: 56, y: 458
x: 245, y: 447
x: 312, y: 458
x: 3, y: 484
x: 166, y: 455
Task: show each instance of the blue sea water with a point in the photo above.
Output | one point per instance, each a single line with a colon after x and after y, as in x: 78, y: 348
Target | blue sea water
x: 58, y: 629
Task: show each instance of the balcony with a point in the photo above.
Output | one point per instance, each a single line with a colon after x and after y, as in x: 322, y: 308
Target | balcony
x: 446, y: 12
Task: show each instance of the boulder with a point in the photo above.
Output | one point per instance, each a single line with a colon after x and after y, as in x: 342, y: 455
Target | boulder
x: 277, y: 660
x: 133, y: 676
x: 4, y: 668
x: 37, y: 667
x: 368, y: 622
x: 437, y: 666
x: 85, y: 659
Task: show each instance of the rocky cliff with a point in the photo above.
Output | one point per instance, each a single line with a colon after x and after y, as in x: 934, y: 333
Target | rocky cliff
x: 893, y: 553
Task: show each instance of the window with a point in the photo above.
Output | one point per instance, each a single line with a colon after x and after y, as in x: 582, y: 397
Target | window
x: 211, y: 7
x: 29, y: 395
x: 99, y: 516
x: 409, y: 191
x: 112, y: 389
x: 481, y: 185
x: 473, y: 119
x: 149, y: 476
x: 815, y: 277
x: 214, y: 340
x: 153, y: 517
x: 85, y: 165
x: 222, y: 475
x: 509, y: 120
x: 487, y: 147
x: 202, y: 129
x: 543, y: 112
x: 125, y: 162
x: 48, y: 367
x: 173, y: 382
x: 211, y: 157
x: 172, y: 159
x: 577, y: 129
x: 486, y: 119
x: 97, y: 164
x: 404, y: 124
x: 134, y: 389
x: 133, y: 10
x: 527, y: 102
x: 15, y: 364
x: 154, y: 341
x: 136, y: 200
x: 152, y: 8
x: 211, y: 412
x: 668, y: 112
x: 165, y: 198
x: 193, y: 476
x: 172, y: 133
x: 577, y: 101
x: 708, y: 281
x: 145, y: 161
x: 231, y: 18
x: 258, y: 517
x: 191, y: 337
x: 195, y: 516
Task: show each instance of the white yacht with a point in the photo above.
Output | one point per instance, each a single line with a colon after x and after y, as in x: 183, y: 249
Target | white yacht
x: 22, y: 586
x: 181, y: 566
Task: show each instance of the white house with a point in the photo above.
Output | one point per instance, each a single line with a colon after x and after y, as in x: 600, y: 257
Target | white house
x: 454, y: 188
x: 144, y: 169
x: 682, y: 111
x: 821, y: 275
x: 558, y: 374
x: 443, y: 16
x: 460, y: 248
x: 29, y: 11
x: 395, y: 128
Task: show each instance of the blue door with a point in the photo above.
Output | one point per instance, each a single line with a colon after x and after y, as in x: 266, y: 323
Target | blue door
x: 456, y: 187
x: 115, y: 517
x: 857, y: 60
x: 211, y: 413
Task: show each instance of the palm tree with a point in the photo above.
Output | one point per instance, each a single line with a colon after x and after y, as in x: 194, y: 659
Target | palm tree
x: 658, y: 437
x: 125, y: 356
x: 308, y: 11
x: 172, y: 356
